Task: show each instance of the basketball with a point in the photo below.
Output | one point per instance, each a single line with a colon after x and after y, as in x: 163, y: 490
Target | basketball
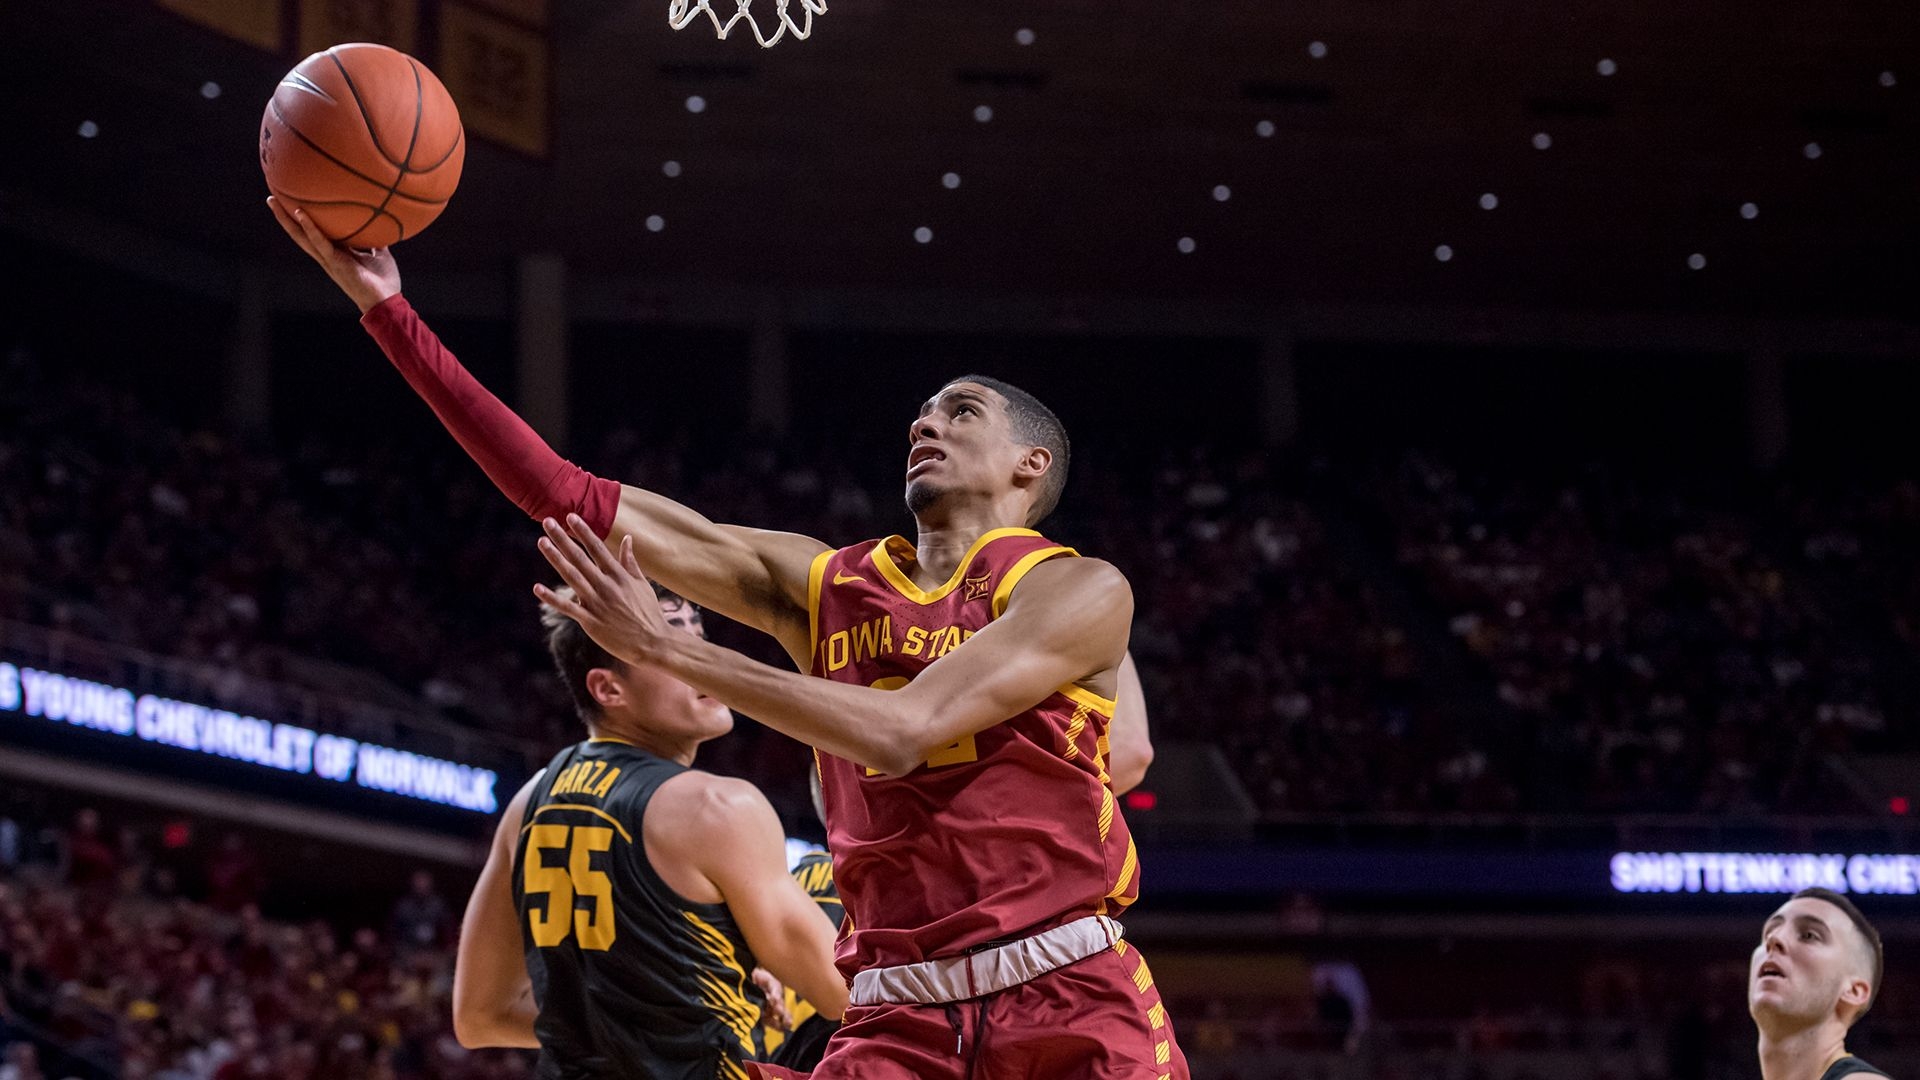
x: 366, y: 140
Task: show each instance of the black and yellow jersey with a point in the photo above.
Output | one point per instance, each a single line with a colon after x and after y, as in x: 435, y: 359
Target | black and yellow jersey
x: 631, y: 979
x: 1850, y: 1066
x: 803, y: 1048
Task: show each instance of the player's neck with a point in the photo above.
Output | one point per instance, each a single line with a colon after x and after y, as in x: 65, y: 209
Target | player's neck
x: 945, y: 540
x: 679, y: 751
x: 1805, y: 1054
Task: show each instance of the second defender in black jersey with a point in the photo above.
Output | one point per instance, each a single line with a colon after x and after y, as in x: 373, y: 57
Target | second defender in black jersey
x: 628, y: 898
x: 1814, y: 974
x: 802, y: 1048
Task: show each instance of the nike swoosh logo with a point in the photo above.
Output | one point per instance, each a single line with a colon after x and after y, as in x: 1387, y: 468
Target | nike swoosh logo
x: 842, y: 579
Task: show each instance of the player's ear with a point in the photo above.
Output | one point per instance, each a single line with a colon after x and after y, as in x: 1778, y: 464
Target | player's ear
x: 1856, y: 992
x: 1034, y: 463
x: 606, y: 688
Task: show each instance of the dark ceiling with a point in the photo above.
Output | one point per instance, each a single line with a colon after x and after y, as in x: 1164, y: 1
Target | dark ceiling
x: 814, y: 162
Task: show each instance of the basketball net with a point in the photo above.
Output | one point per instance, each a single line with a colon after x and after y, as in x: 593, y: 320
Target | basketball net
x: 682, y: 12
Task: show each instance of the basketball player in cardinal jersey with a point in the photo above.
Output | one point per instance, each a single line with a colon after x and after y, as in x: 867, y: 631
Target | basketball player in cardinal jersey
x: 958, y: 694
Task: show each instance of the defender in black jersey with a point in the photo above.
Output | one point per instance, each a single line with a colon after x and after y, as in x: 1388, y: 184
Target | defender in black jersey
x: 801, y: 1048
x: 1814, y: 974
x: 629, y: 898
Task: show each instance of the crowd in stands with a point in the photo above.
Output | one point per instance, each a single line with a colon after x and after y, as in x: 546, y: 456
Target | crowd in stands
x: 1416, y: 636
x: 1653, y: 649
x: 117, y: 961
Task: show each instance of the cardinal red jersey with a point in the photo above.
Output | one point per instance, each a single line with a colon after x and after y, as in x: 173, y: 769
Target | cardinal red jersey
x: 1003, y: 834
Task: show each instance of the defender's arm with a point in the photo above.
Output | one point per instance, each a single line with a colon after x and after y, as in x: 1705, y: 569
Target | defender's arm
x: 1129, y: 738
x: 492, y: 996
x: 728, y: 833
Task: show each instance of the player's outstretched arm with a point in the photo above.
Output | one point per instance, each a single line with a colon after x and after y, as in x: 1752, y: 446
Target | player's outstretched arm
x: 1067, y: 623
x: 727, y: 831
x: 1129, y: 737
x: 752, y: 576
x: 492, y: 996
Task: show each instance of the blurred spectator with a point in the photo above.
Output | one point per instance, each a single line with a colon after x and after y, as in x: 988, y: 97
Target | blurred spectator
x: 91, y: 862
x: 20, y: 1061
x: 421, y: 919
x: 234, y: 878
x: 1345, y: 1006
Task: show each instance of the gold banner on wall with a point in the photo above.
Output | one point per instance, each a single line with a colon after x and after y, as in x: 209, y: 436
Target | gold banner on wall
x: 324, y: 23
x: 256, y: 22
x: 499, y: 75
x: 531, y: 12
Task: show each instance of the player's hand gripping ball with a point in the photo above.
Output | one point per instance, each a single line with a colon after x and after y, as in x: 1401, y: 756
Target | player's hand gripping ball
x: 366, y: 141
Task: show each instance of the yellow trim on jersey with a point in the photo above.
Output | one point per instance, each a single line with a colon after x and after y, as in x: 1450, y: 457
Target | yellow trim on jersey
x: 728, y: 1003
x: 1106, y: 812
x: 1084, y: 696
x: 1012, y: 577
x: 816, y: 575
x: 1127, y: 867
x: 1075, y: 725
x: 594, y: 810
x: 1143, y: 978
x: 882, y: 561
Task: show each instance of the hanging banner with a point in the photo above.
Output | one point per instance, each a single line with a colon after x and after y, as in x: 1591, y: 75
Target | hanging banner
x: 324, y: 23
x: 257, y: 22
x: 499, y: 74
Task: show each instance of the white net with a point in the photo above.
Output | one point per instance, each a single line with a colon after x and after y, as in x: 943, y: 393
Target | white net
x: 682, y: 12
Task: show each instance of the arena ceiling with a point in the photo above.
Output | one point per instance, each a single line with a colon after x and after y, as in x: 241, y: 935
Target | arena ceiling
x: 1300, y: 172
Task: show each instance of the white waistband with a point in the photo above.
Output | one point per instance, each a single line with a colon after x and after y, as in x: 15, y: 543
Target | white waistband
x: 936, y: 982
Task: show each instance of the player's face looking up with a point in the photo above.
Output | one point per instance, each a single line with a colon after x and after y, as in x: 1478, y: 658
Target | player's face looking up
x: 963, y: 444
x: 1811, y: 958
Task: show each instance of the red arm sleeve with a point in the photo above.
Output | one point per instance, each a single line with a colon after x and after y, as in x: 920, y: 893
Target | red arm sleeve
x: 514, y: 456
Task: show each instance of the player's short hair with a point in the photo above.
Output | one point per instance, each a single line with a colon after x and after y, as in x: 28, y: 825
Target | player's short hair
x: 575, y: 653
x: 1868, y: 934
x: 1036, y: 424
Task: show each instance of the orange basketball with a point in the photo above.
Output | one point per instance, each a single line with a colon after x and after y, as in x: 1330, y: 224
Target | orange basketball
x: 366, y: 140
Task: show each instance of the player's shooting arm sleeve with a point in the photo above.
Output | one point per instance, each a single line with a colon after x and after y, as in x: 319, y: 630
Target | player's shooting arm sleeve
x: 514, y: 456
